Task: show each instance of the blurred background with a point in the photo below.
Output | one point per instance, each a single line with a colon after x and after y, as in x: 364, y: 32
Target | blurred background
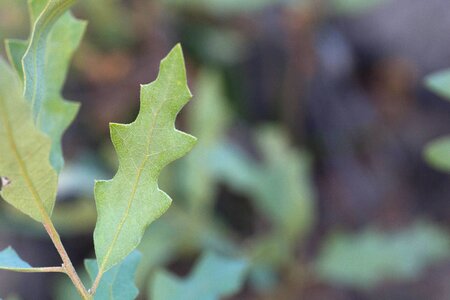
x: 311, y: 116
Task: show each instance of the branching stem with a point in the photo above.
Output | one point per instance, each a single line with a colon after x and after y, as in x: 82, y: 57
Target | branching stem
x: 67, y: 263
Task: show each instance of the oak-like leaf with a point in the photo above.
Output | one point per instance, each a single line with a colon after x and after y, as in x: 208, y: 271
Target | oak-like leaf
x: 43, y: 62
x: 24, y: 166
x: 128, y: 203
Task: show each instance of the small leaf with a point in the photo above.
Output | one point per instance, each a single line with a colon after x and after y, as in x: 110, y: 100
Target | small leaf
x: 437, y: 153
x: 55, y: 36
x: 117, y: 283
x: 365, y: 259
x: 129, y: 202
x: 25, y: 152
x: 213, y: 278
x: 439, y: 83
x: 10, y: 261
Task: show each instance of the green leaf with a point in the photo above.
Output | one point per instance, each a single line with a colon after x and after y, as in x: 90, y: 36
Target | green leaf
x: 437, y: 153
x: 55, y: 36
x: 15, y: 49
x: 439, y: 83
x: 10, y: 261
x: 213, y: 278
x: 117, y: 283
x: 25, y: 151
x: 354, y: 6
x: 129, y: 202
x: 365, y: 259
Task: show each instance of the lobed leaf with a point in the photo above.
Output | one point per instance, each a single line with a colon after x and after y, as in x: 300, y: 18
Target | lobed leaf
x: 43, y: 62
x: 117, y: 283
x: 128, y: 203
x: 213, y: 278
x: 32, y: 182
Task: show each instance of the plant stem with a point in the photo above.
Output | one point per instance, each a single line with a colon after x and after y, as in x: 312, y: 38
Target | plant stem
x: 67, y: 263
x: 96, y: 282
x: 43, y: 270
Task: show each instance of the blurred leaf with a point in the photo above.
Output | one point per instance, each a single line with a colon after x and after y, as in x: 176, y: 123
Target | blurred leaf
x: 25, y: 152
x: 214, y: 277
x: 9, y: 260
x: 366, y: 259
x: 439, y: 83
x: 129, y: 202
x: 283, y: 188
x: 222, y: 7
x: 118, y: 282
x: 437, y: 153
x: 110, y: 22
x: 208, y: 119
x: 354, y: 6
x: 54, y: 38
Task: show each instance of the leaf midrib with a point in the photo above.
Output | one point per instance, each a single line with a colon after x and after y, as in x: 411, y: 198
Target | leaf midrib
x: 133, y: 193
x: 23, y: 169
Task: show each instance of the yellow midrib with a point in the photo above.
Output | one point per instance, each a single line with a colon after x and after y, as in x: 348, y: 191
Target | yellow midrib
x: 21, y: 163
x: 133, y: 192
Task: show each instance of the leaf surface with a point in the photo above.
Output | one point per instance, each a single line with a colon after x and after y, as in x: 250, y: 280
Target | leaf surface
x: 213, y: 278
x: 117, y: 283
x: 25, y: 151
x: 43, y: 67
x: 128, y: 203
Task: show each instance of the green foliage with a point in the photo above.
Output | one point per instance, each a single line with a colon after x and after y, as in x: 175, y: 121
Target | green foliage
x: 9, y: 260
x: 129, y: 202
x: 222, y: 7
x: 118, y: 282
x: 439, y: 83
x: 33, y: 118
x: 43, y: 62
x: 365, y: 259
x: 437, y: 153
x: 354, y: 6
x: 25, y: 152
x: 214, y: 277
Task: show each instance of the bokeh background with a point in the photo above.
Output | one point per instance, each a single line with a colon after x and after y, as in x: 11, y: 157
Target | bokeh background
x: 312, y: 117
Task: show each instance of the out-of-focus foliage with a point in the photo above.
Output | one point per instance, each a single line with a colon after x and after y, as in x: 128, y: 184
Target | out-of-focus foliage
x: 438, y: 151
x: 368, y: 258
x: 440, y: 83
x: 118, y: 282
x: 223, y: 7
x: 10, y: 260
x: 353, y: 6
x: 213, y: 278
